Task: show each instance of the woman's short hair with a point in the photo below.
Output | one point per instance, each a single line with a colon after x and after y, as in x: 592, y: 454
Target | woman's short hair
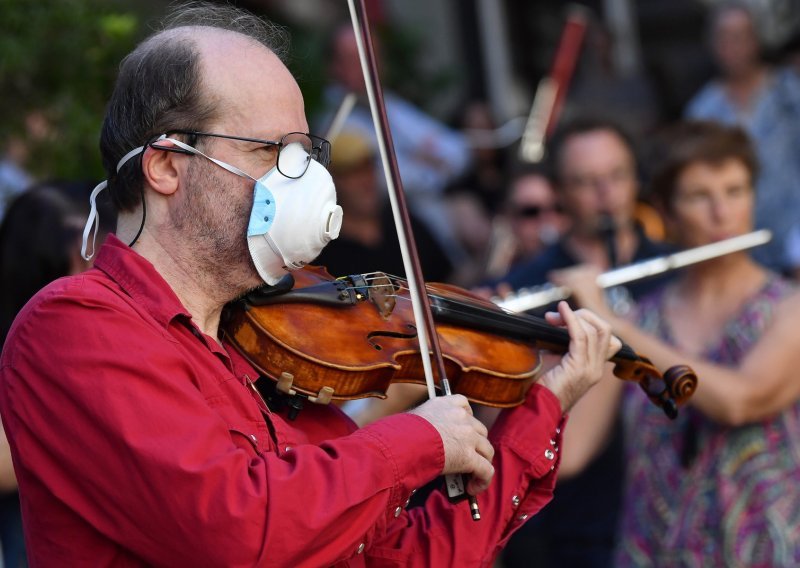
x: 693, y: 142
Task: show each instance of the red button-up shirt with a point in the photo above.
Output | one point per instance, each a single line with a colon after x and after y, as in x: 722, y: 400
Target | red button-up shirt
x: 136, y: 441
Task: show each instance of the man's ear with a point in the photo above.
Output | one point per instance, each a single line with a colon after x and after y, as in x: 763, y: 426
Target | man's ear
x: 161, y: 168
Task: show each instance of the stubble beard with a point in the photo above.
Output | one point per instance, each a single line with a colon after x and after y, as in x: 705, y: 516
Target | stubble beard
x: 214, y: 219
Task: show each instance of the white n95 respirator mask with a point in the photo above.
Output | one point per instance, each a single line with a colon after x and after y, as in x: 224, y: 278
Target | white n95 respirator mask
x: 291, y: 220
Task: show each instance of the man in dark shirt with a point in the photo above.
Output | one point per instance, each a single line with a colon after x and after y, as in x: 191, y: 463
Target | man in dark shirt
x: 595, y: 176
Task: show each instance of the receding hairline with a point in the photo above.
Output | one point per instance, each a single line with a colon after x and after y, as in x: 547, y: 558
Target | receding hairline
x: 200, y: 39
x: 570, y: 137
x: 195, y: 35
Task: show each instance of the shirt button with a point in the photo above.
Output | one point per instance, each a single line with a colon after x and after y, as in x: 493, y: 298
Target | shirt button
x: 549, y: 454
x: 360, y: 548
x: 397, y: 511
x: 523, y: 517
x: 287, y: 448
x: 253, y: 438
x: 515, y: 501
x: 552, y: 442
x: 558, y: 430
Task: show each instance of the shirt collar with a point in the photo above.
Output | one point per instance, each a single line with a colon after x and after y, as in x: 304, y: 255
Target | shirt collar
x: 140, y: 280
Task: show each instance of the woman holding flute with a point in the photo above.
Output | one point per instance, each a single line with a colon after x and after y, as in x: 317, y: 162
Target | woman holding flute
x: 716, y: 487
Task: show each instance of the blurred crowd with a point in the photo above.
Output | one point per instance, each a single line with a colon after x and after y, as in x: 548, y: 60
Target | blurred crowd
x: 617, y: 186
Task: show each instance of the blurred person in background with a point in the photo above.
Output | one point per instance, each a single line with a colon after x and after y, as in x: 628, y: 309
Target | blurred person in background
x: 532, y: 219
x: 488, y: 147
x: 601, y: 86
x: 429, y: 154
x: 474, y: 199
x: 595, y: 177
x: 13, y: 180
x: 472, y: 228
x: 765, y: 101
x: 793, y: 251
x: 716, y: 486
x: 40, y: 241
x: 368, y: 241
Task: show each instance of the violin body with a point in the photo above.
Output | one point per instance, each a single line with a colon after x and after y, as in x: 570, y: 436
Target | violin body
x: 343, y: 341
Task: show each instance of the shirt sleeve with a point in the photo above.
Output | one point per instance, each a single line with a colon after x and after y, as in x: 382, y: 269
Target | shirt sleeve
x: 116, y: 431
x: 526, y: 441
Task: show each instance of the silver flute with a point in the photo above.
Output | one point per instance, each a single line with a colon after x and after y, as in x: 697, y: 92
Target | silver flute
x: 529, y: 298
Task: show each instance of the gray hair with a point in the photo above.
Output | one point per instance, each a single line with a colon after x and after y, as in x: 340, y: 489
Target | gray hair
x: 159, y: 89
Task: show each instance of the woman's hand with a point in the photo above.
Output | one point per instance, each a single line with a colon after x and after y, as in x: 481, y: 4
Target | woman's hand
x: 582, y: 281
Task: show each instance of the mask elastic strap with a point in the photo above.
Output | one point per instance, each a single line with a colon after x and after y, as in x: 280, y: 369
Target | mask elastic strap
x: 220, y: 163
x: 94, y: 215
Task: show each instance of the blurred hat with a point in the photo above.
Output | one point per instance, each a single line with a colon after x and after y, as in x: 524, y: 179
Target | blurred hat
x: 350, y: 149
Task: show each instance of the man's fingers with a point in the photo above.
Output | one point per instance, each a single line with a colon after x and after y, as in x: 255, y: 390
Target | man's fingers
x: 461, y: 400
x: 485, y: 449
x: 604, y: 330
x: 480, y: 427
x: 577, y: 333
x: 482, y: 474
x: 554, y: 318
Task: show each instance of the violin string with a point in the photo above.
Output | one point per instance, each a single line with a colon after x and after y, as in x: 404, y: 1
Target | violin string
x: 400, y: 285
x: 464, y: 306
x: 467, y: 304
x: 457, y: 303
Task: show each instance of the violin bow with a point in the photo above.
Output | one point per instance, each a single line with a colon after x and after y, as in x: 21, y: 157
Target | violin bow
x: 426, y: 331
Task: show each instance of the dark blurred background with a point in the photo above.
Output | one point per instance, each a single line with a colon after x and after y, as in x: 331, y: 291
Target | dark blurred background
x: 58, y: 59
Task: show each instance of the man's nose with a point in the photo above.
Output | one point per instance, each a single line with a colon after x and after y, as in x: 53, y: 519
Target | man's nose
x: 604, y: 187
x: 720, y: 208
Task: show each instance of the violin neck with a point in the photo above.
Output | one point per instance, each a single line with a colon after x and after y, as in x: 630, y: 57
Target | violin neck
x: 522, y: 327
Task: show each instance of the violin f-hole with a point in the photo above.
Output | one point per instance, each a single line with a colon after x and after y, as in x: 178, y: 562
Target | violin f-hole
x: 374, y: 336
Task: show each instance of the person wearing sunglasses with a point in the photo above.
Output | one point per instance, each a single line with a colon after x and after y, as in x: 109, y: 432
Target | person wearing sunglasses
x: 535, y: 216
x: 138, y: 432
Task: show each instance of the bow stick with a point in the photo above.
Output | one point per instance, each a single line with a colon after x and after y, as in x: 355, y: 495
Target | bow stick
x: 426, y: 331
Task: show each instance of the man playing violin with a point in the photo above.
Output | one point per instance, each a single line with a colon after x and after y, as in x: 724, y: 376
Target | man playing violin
x: 136, y: 433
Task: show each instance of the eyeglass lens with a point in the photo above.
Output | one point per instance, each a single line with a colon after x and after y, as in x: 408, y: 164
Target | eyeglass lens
x: 296, y: 152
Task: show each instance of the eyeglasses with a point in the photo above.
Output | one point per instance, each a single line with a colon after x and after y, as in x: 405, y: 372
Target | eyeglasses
x: 291, y: 163
x: 534, y: 211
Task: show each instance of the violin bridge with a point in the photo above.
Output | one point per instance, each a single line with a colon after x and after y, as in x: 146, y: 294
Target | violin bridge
x: 383, y: 294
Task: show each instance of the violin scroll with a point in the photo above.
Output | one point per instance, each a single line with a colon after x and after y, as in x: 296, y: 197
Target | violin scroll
x: 666, y: 391
x: 681, y: 382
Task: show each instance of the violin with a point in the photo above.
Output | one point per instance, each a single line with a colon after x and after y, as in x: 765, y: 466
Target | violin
x: 328, y: 338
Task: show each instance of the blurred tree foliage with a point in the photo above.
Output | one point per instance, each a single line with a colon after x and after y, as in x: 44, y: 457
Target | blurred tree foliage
x: 59, y: 60
x: 58, y: 63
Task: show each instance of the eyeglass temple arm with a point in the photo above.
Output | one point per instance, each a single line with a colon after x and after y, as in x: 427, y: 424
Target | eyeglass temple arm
x: 170, y: 149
